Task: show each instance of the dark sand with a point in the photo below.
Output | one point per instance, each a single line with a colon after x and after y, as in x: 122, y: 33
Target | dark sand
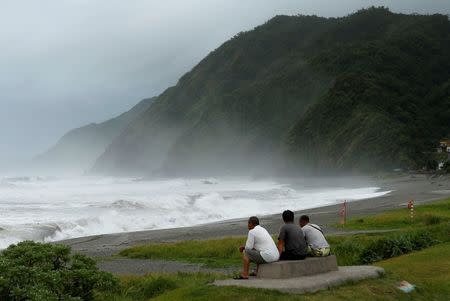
x: 420, y: 188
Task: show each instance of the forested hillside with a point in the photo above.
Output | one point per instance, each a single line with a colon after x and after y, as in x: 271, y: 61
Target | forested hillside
x: 367, y: 91
x: 390, y: 101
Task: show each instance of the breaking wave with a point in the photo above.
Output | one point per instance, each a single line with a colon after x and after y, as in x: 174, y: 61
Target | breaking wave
x: 48, y: 209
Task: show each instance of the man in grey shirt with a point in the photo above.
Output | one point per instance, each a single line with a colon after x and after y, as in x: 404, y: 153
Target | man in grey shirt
x: 317, y: 243
x: 291, y: 239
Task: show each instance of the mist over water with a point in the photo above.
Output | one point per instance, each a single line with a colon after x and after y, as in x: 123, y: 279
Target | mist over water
x: 49, y: 209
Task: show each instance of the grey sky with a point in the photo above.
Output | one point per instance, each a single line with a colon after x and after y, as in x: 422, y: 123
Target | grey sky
x: 65, y: 63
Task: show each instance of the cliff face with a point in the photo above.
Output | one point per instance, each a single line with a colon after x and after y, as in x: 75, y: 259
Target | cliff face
x: 369, y: 90
x: 77, y: 150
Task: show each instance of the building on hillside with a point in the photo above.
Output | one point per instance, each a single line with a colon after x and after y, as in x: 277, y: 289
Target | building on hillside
x: 444, y: 146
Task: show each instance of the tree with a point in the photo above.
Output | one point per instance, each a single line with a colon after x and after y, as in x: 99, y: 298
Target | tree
x: 36, y: 271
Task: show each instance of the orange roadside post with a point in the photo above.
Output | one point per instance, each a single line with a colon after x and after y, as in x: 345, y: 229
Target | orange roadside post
x: 411, y: 209
x: 343, y: 213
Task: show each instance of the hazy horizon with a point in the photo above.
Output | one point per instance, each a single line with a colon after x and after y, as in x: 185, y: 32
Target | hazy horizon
x: 69, y: 63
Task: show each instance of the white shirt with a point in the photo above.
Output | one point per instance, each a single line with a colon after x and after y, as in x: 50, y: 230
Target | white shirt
x: 259, y: 239
x: 314, y: 237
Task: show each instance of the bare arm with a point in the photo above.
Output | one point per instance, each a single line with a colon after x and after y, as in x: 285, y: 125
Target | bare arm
x: 280, y: 245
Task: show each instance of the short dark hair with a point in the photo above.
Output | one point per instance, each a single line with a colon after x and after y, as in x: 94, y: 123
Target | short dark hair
x: 288, y: 216
x: 304, y: 218
x: 253, y: 220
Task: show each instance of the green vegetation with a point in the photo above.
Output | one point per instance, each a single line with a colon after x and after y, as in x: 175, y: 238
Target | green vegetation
x: 395, y: 246
x: 212, y: 253
x: 349, y: 249
x: 367, y: 91
x: 34, y: 271
x: 390, y: 101
x: 424, y: 215
x: 135, y: 288
x: 431, y: 226
x: 427, y: 269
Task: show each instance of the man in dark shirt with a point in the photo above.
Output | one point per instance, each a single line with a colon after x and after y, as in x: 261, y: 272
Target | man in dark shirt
x: 291, y: 239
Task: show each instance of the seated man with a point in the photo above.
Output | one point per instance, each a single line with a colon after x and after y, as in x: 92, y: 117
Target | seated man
x: 259, y: 248
x: 317, y: 244
x: 291, y: 238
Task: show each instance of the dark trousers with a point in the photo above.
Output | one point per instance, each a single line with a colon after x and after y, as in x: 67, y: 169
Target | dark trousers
x: 286, y: 255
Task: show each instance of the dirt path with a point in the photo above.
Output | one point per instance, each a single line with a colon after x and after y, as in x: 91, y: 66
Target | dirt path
x: 127, y: 266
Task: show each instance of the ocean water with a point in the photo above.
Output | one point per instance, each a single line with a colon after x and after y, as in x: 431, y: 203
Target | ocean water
x: 49, y: 209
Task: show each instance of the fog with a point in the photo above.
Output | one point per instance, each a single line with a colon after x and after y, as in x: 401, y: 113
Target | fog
x: 66, y: 63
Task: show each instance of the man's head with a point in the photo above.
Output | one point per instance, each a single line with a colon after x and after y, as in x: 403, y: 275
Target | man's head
x: 253, y: 222
x: 288, y: 216
x: 304, y: 219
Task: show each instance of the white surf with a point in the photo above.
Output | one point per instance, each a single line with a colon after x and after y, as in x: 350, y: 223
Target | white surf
x: 49, y: 209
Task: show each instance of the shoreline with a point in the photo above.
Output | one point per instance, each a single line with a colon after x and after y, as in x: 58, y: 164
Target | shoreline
x: 419, y: 187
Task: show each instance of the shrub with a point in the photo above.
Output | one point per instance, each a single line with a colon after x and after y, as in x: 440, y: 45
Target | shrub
x: 431, y: 219
x: 347, y: 252
x: 35, y: 271
x: 397, y: 245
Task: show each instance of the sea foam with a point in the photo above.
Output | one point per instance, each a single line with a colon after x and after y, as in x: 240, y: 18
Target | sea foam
x: 49, y: 209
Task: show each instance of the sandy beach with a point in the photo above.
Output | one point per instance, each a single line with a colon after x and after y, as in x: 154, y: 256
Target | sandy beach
x: 418, y: 187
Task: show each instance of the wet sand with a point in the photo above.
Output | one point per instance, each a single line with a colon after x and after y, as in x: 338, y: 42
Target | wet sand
x: 420, y: 188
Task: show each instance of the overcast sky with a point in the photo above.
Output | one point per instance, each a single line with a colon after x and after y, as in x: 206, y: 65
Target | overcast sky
x: 65, y: 63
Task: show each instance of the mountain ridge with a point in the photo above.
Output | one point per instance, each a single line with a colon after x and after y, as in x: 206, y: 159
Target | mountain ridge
x: 77, y: 150
x: 300, y: 93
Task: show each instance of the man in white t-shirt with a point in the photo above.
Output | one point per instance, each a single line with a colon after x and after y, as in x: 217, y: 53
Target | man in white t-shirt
x: 259, y: 248
x: 317, y: 244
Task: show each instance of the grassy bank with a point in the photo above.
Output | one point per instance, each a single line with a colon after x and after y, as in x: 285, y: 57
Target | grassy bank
x: 420, y: 254
x: 349, y: 249
x: 424, y: 215
x: 427, y: 269
x: 431, y: 225
x: 212, y: 253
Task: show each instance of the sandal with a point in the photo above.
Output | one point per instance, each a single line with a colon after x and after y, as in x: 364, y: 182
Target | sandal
x: 240, y: 277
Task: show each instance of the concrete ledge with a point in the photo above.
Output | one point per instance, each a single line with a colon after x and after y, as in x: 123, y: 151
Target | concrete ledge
x: 309, y: 284
x: 298, y: 268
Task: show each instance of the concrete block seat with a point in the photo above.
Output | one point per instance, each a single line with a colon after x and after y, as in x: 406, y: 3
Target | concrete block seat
x: 297, y: 268
x: 311, y: 283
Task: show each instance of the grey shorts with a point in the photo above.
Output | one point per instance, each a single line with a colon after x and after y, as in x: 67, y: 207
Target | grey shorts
x: 254, y: 256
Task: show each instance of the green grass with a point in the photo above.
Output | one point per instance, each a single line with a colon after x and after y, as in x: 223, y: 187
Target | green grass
x: 354, y: 249
x: 137, y: 288
x: 217, y: 253
x: 223, y: 252
x: 424, y: 215
x: 428, y: 269
x: 213, y: 253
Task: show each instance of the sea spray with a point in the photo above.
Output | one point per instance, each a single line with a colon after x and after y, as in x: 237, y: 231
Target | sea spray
x: 48, y: 209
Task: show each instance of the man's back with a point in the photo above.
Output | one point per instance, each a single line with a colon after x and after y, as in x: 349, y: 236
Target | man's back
x: 314, y: 236
x: 294, y: 240
x: 260, y: 240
